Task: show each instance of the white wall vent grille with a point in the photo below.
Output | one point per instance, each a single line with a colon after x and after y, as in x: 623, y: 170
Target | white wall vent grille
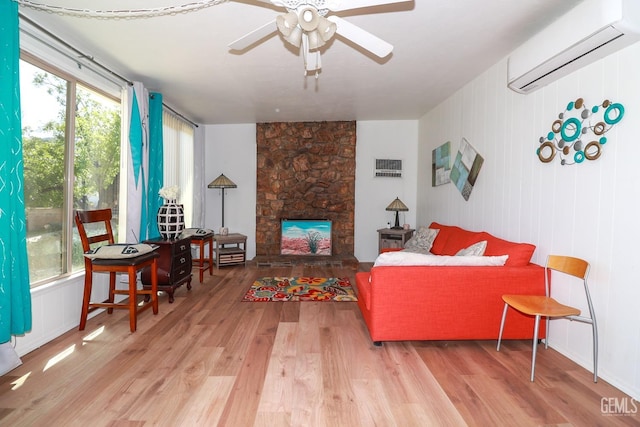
x: 388, y: 168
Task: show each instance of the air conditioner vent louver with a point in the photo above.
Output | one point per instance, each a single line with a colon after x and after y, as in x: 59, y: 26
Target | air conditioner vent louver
x: 388, y: 168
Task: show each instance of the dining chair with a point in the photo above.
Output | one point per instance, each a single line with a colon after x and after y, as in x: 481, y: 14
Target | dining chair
x: 130, y: 263
x: 545, y: 306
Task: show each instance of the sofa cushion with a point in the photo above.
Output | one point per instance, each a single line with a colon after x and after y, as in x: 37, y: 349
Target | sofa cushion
x: 451, y: 239
x: 422, y: 241
x: 519, y: 253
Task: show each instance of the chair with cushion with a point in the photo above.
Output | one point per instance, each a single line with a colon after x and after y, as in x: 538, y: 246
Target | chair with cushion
x: 113, y: 259
x: 201, y: 237
x: 545, y: 306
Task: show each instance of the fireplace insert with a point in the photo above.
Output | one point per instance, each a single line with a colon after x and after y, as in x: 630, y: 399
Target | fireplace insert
x: 305, y: 237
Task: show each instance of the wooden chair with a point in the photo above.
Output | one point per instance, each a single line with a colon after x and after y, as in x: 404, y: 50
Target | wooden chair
x: 203, y: 262
x: 538, y: 306
x: 114, y: 266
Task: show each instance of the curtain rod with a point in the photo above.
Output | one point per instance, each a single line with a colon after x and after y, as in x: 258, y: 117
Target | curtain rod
x: 176, y: 113
x: 76, y: 51
x: 180, y: 115
x: 90, y: 59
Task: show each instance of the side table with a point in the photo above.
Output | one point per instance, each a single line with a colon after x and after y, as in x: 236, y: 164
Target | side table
x: 174, y: 265
x: 204, y: 262
x: 393, y: 238
x: 230, y: 249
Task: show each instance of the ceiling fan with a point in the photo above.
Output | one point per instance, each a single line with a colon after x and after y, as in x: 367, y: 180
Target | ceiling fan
x: 307, y: 26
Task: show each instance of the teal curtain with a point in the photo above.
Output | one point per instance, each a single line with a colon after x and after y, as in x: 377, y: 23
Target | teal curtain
x: 15, y: 295
x: 154, y: 201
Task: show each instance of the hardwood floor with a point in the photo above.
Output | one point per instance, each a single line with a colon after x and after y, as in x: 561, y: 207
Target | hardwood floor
x: 209, y: 359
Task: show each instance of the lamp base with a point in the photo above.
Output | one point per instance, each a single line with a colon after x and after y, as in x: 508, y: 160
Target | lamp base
x: 396, y: 226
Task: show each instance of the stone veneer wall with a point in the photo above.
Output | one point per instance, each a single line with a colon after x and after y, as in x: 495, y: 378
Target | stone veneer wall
x: 305, y: 171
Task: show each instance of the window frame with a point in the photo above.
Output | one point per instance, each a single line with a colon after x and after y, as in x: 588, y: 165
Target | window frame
x: 69, y: 150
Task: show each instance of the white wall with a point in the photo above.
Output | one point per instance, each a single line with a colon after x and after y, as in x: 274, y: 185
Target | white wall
x: 393, y: 139
x: 231, y: 149
x: 56, y: 309
x: 588, y: 210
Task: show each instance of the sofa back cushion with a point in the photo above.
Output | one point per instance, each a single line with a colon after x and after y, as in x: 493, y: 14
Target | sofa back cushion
x: 519, y: 253
x: 451, y: 239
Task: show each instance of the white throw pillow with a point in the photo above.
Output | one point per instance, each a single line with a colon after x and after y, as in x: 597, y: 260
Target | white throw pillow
x: 477, y: 249
x: 120, y: 250
x: 402, y: 258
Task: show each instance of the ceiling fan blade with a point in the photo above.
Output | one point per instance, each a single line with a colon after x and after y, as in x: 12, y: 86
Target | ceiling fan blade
x: 361, y: 37
x: 254, y: 36
x: 339, y: 5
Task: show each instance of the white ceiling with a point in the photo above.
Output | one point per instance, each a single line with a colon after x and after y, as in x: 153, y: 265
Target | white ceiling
x: 439, y: 45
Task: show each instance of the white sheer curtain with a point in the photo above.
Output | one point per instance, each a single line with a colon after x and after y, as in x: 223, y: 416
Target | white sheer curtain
x: 178, y: 147
x: 134, y: 160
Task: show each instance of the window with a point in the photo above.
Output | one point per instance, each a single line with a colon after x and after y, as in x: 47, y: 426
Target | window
x: 178, y: 144
x: 71, y: 153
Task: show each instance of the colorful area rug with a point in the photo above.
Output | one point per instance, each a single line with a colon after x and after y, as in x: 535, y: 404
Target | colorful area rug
x: 300, y: 289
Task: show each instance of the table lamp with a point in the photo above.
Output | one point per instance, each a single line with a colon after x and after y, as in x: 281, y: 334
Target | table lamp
x: 222, y: 182
x: 397, y: 206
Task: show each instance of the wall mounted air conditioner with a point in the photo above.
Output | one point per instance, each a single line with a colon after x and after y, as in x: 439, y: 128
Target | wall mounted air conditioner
x: 389, y: 168
x: 590, y: 31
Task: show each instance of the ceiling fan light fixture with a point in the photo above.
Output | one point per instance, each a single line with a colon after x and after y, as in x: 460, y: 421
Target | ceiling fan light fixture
x: 315, y: 41
x: 326, y: 29
x: 286, y: 23
x: 308, y: 18
x: 308, y: 25
x: 295, y: 37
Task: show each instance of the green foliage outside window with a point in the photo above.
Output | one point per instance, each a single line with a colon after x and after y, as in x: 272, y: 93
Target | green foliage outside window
x: 94, y: 167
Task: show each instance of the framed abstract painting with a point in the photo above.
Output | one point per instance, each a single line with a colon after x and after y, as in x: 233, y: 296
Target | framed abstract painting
x: 466, y: 168
x: 441, y: 164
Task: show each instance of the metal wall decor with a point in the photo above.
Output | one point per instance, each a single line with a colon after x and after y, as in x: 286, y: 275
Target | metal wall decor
x: 576, y: 125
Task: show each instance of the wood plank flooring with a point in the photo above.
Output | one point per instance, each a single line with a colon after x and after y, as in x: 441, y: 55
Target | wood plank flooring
x: 209, y: 359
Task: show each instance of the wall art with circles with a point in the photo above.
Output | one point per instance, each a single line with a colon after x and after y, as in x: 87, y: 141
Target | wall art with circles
x: 579, y: 132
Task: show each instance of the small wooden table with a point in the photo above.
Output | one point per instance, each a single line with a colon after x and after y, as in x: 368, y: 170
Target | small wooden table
x: 230, y: 249
x: 393, y: 238
x: 203, y: 262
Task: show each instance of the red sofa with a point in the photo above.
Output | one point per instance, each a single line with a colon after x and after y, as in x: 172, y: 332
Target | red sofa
x: 401, y: 303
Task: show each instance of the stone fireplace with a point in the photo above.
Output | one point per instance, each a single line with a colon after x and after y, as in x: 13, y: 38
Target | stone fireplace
x: 305, y: 171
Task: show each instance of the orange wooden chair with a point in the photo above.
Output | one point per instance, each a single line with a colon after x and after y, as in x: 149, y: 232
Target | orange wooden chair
x: 113, y: 266
x: 539, y: 306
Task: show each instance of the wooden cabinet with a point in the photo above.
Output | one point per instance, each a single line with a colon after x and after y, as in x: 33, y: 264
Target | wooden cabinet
x: 174, y: 265
x: 230, y: 249
x: 393, y: 238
